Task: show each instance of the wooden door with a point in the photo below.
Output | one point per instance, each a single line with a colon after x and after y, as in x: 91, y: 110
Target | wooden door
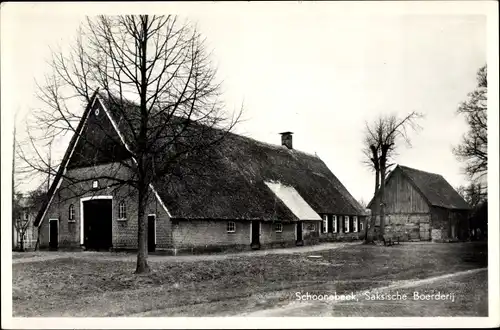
x: 299, y: 234
x: 53, y: 234
x: 255, y: 234
x: 151, y: 233
x: 97, y: 224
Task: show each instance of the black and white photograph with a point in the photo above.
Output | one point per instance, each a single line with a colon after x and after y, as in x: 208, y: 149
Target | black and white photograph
x: 249, y: 164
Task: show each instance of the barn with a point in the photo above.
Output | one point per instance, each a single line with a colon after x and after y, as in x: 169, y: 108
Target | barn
x: 250, y: 195
x: 421, y: 206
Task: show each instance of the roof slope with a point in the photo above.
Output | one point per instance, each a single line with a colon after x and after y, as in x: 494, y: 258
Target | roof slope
x: 293, y: 201
x: 229, y: 181
x: 232, y: 185
x: 435, y: 189
x: 66, y: 158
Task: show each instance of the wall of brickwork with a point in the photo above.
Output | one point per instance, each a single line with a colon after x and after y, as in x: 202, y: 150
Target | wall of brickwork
x: 212, y: 233
x: 124, y: 232
x: 180, y: 234
x: 206, y: 233
x: 269, y: 234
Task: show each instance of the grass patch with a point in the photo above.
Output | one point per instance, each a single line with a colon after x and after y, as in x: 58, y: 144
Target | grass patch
x: 95, y: 287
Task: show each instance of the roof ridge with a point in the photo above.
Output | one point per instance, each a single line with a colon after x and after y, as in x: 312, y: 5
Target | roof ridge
x: 275, y: 146
x: 417, y: 170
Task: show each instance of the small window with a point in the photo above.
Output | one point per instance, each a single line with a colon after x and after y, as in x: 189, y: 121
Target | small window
x: 231, y: 227
x: 325, y: 223
x: 361, y: 225
x: 122, y: 211
x: 278, y: 227
x: 95, y: 184
x: 354, y: 224
x: 71, y: 215
x: 334, y: 223
x: 346, y: 223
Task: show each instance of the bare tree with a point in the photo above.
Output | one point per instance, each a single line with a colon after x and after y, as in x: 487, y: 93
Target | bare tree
x: 473, y: 194
x: 380, y: 147
x: 156, y: 76
x: 26, y: 209
x: 473, y: 150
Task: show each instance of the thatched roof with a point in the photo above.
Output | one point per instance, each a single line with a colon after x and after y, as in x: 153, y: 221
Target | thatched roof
x: 233, y: 186
x: 228, y: 182
x: 433, y: 187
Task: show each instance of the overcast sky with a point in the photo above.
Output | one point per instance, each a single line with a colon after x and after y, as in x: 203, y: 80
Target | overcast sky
x: 318, y: 73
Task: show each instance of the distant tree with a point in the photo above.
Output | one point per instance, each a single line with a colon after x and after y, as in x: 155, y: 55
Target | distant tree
x: 473, y: 193
x: 25, y: 209
x: 473, y: 150
x: 162, y: 65
x: 382, y: 138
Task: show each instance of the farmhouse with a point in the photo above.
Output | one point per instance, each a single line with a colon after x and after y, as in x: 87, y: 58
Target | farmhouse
x: 422, y: 206
x: 23, y: 232
x: 248, y: 195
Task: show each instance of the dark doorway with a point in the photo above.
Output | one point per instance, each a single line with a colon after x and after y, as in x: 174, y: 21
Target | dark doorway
x: 151, y: 233
x: 97, y: 222
x: 330, y: 224
x: 255, y: 235
x: 299, y: 241
x: 53, y: 234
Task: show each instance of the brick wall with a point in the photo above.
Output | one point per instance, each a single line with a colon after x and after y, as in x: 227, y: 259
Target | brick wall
x: 210, y: 233
x: 269, y: 234
x: 206, y: 233
x: 124, y: 232
x: 180, y: 234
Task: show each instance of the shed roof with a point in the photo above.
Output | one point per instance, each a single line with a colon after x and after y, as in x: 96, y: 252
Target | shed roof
x: 433, y: 187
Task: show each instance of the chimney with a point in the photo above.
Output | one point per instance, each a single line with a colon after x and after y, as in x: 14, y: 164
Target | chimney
x: 286, y: 139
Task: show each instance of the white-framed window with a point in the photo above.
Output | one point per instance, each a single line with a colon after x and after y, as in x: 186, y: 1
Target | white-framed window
x: 122, y: 211
x: 325, y: 223
x: 334, y: 223
x: 355, y: 224
x: 278, y: 227
x: 346, y: 223
x: 231, y: 227
x: 71, y: 213
x: 95, y: 184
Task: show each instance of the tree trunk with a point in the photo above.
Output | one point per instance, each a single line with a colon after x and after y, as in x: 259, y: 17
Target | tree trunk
x: 382, y: 195
x: 21, y: 242
x: 142, y: 253
x: 142, y: 239
x: 372, y: 219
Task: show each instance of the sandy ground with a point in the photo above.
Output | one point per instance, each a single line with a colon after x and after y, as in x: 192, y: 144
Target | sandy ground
x: 362, y: 302
x: 25, y: 257
x: 256, y: 283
